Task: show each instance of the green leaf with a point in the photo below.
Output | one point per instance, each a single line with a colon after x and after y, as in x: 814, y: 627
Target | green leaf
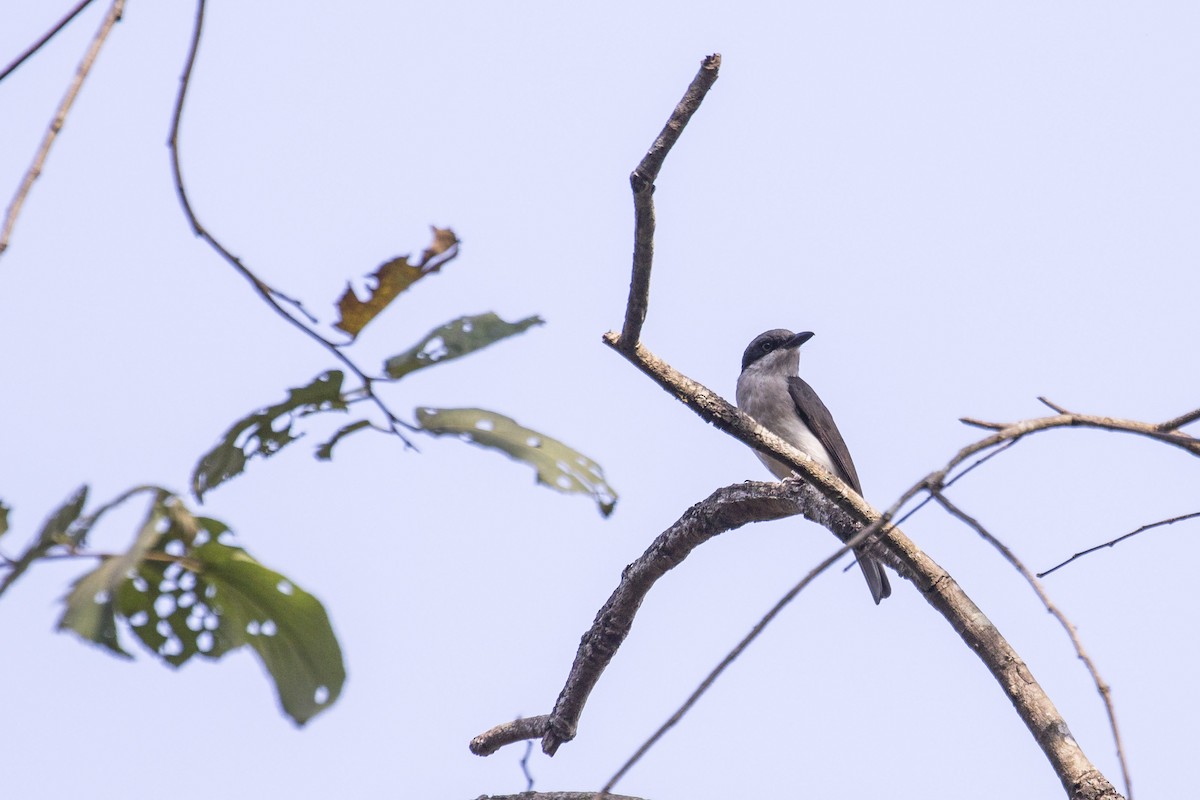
x: 55, y: 528
x: 392, y: 278
x: 325, y: 451
x: 54, y: 531
x: 266, y: 432
x: 286, y: 626
x: 557, y: 465
x: 4, y: 509
x: 456, y: 339
x: 91, y: 603
x: 184, y: 592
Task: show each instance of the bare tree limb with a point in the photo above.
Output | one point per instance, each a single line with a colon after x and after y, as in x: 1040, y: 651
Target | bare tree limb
x: 60, y: 116
x: 642, y: 180
x: 724, y: 510
x: 1101, y: 687
x: 518, y: 730
x: 1119, y: 539
x: 746, y: 641
x: 1015, y: 430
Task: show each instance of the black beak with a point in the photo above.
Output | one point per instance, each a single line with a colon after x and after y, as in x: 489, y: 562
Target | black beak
x: 798, y: 339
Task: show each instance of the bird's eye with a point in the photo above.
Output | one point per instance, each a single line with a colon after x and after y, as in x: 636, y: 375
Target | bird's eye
x: 768, y: 346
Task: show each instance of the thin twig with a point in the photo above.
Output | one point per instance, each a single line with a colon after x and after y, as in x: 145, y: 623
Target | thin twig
x: 1120, y: 539
x: 525, y: 765
x: 954, y: 480
x: 642, y: 180
x: 270, y: 296
x: 978, y: 423
x: 1101, y: 687
x: 60, y: 118
x: 40, y: 43
x: 1052, y: 406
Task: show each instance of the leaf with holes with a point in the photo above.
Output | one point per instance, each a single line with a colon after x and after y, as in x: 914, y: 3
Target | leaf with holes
x: 185, y: 593
x: 557, y: 465
x: 91, y: 603
x: 266, y: 432
x: 286, y: 626
x: 456, y: 339
x: 392, y: 278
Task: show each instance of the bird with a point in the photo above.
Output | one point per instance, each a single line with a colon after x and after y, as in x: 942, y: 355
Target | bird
x: 770, y: 389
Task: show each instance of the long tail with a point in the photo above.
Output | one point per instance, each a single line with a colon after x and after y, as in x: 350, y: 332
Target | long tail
x: 877, y: 579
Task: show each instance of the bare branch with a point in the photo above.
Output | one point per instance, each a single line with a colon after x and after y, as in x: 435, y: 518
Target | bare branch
x: 1011, y: 431
x: 642, y: 180
x: 518, y: 730
x: 1120, y: 539
x: 60, y: 116
x: 724, y: 510
x: 940, y: 590
x: 1101, y: 687
x: 834, y: 503
x: 732, y: 656
x: 40, y: 43
x: 977, y: 463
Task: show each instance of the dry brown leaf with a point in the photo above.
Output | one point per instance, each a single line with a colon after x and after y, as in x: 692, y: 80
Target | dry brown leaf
x: 392, y: 278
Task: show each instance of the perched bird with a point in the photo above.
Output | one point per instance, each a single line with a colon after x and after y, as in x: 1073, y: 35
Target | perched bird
x: 770, y: 390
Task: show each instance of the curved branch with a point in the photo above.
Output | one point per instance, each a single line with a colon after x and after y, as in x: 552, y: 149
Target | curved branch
x: 1078, y: 775
x: 519, y: 730
x: 1102, y: 688
x: 754, y: 633
x: 834, y: 503
x: 269, y: 295
x: 724, y: 510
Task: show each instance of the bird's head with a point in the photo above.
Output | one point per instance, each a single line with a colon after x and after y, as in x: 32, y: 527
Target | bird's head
x: 776, y: 349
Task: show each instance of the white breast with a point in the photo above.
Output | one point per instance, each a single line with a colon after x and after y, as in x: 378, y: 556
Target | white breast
x: 765, y: 397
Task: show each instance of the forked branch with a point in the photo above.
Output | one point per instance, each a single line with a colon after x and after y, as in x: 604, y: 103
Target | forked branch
x: 824, y: 499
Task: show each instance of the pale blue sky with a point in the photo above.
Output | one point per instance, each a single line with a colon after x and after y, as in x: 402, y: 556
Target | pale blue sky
x: 971, y: 205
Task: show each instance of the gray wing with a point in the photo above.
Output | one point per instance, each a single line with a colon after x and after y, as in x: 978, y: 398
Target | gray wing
x: 818, y: 419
